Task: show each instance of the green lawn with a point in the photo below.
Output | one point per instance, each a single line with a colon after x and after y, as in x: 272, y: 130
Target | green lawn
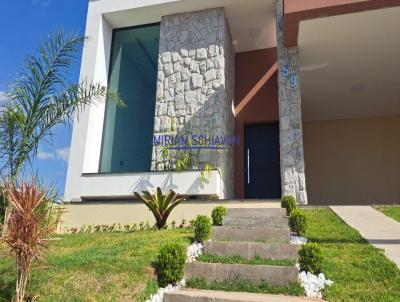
x: 391, y: 211
x: 360, y: 271
x: 95, y: 267
x: 118, y: 266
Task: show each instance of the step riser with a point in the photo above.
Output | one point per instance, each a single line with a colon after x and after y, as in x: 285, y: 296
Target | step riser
x: 250, y: 250
x: 233, y: 212
x: 274, y: 275
x: 176, y: 297
x: 261, y: 234
x: 194, y: 295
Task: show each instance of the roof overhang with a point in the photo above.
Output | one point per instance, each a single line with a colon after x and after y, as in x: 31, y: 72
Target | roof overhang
x: 252, y: 22
x: 299, y: 10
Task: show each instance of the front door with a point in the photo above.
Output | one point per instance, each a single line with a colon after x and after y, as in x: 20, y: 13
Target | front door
x: 262, y: 161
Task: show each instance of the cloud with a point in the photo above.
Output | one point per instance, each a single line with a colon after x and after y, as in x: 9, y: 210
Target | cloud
x: 44, y: 155
x: 42, y: 3
x: 2, y: 97
x: 63, y: 154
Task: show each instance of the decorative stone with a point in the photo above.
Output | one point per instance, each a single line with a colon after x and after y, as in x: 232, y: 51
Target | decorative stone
x: 210, y: 75
x: 291, y: 134
x: 168, y: 69
x: 166, y: 57
x: 201, y: 54
x: 196, y: 79
x: 175, y: 57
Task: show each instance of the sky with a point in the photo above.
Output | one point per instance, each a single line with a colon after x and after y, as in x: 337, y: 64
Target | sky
x: 23, y: 25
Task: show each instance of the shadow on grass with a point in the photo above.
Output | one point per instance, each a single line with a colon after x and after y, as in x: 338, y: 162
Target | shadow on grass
x: 7, y: 285
x: 336, y: 240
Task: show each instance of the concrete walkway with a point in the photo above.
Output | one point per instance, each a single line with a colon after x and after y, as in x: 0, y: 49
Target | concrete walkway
x: 381, y: 231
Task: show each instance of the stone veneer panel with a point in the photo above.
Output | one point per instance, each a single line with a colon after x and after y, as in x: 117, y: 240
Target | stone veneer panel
x: 195, y: 86
x: 291, y: 133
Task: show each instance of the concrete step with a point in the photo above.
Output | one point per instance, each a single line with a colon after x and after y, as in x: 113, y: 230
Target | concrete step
x: 256, y: 217
x: 274, y: 275
x: 253, y: 249
x: 276, y: 222
x: 256, y: 212
x: 248, y: 234
x: 196, y: 295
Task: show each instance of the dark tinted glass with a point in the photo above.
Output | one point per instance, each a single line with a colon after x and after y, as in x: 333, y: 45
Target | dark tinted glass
x: 128, y: 132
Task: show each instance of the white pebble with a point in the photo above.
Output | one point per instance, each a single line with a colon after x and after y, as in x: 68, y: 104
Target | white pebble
x: 313, y: 285
x: 294, y: 239
x: 193, y: 251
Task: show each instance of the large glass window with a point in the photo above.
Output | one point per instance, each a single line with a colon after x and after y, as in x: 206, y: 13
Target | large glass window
x: 128, y: 132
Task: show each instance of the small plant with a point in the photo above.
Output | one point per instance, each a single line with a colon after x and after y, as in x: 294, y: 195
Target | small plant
x: 170, y: 264
x: 289, y: 203
x: 89, y: 229
x: 202, y: 228
x: 33, y: 219
x: 310, y: 258
x: 183, y: 223
x: 218, y: 214
x: 161, y: 205
x: 298, y: 222
x: 173, y: 224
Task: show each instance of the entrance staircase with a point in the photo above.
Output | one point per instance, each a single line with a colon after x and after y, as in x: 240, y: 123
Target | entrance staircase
x: 247, y: 233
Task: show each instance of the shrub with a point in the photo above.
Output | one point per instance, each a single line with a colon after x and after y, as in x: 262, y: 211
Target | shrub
x: 298, y: 222
x: 289, y: 203
x: 171, y: 262
x: 33, y: 220
x: 310, y: 258
x: 202, y: 228
x: 161, y: 205
x: 218, y: 214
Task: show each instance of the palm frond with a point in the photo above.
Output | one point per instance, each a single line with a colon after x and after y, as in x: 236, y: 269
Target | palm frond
x: 42, y: 98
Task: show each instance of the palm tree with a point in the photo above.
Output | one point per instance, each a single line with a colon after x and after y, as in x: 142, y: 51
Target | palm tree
x: 40, y: 99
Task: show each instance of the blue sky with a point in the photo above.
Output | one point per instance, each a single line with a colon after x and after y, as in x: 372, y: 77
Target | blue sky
x: 23, y: 25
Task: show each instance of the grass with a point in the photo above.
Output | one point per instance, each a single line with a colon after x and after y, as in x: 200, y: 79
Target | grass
x: 391, y: 211
x: 237, y: 285
x: 360, y: 271
x: 95, y: 267
x: 118, y: 266
x: 212, y: 258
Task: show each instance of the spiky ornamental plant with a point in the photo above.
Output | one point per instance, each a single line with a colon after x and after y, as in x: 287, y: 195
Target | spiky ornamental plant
x: 33, y: 219
x: 41, y: 98
x: 161, y: 205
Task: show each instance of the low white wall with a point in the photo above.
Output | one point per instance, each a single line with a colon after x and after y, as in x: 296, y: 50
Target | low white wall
x: 78, y: 214
x: 112, y: 186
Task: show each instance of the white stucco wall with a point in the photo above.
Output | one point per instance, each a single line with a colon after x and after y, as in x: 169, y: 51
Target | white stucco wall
x: 103, y: 16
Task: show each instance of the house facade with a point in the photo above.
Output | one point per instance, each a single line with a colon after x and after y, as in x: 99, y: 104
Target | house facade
x: 234, y: 99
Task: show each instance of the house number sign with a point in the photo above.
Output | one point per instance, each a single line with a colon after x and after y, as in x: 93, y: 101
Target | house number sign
x: 292, y: 78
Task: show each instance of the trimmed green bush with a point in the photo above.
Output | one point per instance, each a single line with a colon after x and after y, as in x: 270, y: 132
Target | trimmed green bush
x: 310, y: 258
x: 171, y: 263
x: 218, y: 214
x: 289, y: 203
x: 202, y: 228
x: 298, y: 222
